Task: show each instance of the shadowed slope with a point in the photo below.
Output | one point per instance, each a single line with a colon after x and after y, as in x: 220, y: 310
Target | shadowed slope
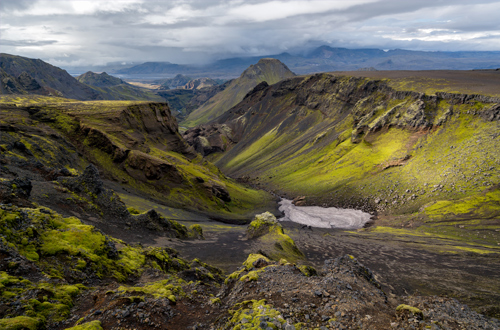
x: 269, y: 70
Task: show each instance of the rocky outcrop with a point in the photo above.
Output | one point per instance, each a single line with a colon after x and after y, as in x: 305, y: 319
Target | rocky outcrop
x: 200, y: 83
x: 345, y: 294
x: 208, y: 139
x: 492, y: 113
x: 268, y: 238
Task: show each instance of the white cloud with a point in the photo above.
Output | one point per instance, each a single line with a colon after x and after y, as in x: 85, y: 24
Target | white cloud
x: 186, y: 30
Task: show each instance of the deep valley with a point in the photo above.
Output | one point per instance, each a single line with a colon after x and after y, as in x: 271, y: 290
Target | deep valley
x: 118, y: 212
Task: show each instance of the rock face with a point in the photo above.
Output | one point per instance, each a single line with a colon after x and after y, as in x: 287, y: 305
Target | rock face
x: 208, y: 139
x: 200, y: 83
x: 269, y: 70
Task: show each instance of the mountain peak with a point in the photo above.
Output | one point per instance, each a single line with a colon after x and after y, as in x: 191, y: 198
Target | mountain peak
x: 99, y: 79
x: 270, y: 70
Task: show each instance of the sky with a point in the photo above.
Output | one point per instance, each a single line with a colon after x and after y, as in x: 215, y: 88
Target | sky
x: 83, y: 33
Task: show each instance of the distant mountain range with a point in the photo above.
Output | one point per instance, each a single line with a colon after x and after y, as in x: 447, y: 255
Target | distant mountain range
x: 325, y: 58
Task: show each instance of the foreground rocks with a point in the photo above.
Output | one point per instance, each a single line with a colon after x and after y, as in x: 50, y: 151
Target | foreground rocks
x: 56, y: 273
x: 344, y: 295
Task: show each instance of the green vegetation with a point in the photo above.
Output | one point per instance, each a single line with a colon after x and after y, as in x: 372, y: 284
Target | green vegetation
x: 135, y: 143
x: 93, y: 325
x: 160, y: 289
x: 68, y: 250
x: 53, y: 306
x: 413, y: 310
x: 248, y: 315
x: 308, y: 270
x: 272, y: 239
x: 391, y: 154
x: 21, y: 323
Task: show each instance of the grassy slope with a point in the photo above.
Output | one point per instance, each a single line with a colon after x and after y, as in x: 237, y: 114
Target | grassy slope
x: 308, y: 149
x: 267, y: 70
x: 134, y: 126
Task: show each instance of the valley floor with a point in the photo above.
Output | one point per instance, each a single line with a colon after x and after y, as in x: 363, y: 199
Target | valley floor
x: 406, y: 264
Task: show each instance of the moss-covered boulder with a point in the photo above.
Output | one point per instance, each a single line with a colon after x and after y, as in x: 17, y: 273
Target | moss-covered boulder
x: 21, y: 323
x: 262, y: 224
x: 268, y: 237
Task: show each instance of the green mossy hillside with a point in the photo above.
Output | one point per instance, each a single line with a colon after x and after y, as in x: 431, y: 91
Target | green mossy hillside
x: 50, y: 260
x: 134, y: 143
x: 356, y: 142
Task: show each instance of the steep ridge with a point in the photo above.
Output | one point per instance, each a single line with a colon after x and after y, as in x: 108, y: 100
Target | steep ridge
x: 53, y: 80
x: 269, y: 70
x: 136, y: 144
x: 322, y: 133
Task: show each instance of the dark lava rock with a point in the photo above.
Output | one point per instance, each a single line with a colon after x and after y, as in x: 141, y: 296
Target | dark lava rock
x: 89, y: 181
x: 221, y: 193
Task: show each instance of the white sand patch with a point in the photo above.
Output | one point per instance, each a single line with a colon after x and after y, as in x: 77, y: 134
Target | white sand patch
x: 323, y: 217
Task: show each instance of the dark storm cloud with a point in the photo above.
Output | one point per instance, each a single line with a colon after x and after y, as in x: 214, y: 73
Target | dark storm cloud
x: 200, y: 30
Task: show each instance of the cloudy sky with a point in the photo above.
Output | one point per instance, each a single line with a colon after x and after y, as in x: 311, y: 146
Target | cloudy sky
x: 72, y: 33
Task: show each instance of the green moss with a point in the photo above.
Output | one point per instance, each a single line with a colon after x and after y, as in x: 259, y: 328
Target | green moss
x: 21, y: 323
x: 253, y: 257
x: 248, y: 315
x: 414, y: 310
x: 215, y: 301
x: 159, y: 289
x: 196, y: 231
x: 93, y: 325
x: 307, y: 270
x: 478, y: 206
x: 133, y: 210
x: 251, y: 276
x: 54, y: 312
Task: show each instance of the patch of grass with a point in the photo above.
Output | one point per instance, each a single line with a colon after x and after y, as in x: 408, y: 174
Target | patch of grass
x: 92, y: 325
x: 159, y: 289
x: 21, y: 323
